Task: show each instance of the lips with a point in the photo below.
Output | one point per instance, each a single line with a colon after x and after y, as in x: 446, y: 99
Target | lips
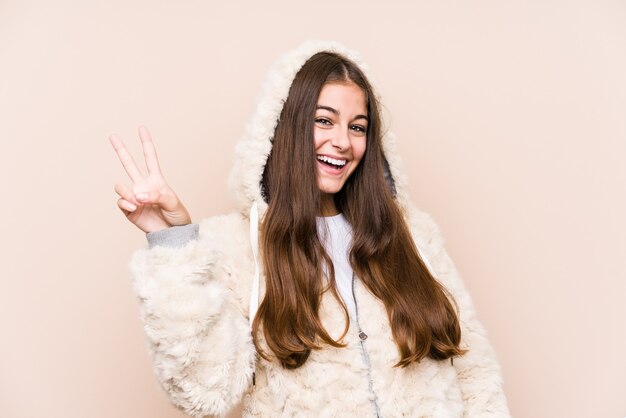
x: 331, y: 165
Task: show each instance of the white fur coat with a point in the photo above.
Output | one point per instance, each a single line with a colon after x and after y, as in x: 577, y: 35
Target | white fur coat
x: 195, y: 301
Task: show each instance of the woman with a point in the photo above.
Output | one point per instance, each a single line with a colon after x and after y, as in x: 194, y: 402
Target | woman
x: 329, y: 307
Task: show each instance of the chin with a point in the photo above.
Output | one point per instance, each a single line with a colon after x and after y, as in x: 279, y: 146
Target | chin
x: 326, y: 189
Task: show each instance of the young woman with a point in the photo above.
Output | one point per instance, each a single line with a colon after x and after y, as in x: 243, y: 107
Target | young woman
x: 329, y: 294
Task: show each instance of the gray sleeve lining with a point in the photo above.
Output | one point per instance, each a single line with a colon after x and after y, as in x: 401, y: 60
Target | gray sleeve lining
x: 174, y: 236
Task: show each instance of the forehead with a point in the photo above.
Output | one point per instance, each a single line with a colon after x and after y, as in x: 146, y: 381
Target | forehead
x: 345, y: 95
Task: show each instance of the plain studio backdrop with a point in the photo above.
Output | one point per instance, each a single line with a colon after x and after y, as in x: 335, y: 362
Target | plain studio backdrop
x: 512, y: 125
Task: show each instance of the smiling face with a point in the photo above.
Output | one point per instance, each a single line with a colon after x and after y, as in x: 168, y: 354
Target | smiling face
x: 340, y: 135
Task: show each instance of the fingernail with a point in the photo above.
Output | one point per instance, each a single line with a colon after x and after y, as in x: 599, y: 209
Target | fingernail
x: 131, y: 207
x: 142, y: 196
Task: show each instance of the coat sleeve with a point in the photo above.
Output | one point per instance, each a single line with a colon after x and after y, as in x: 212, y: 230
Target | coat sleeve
x: 197, y: 333
x: 478, y: 370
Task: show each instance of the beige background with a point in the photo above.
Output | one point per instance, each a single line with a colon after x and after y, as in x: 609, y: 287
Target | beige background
x: 512, y: 124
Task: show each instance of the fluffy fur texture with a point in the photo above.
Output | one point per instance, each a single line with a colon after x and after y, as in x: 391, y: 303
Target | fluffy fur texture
x: 194, y: 303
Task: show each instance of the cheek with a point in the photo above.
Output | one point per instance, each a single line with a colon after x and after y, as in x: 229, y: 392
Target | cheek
x: 358, y: 149
x: 318, y: 138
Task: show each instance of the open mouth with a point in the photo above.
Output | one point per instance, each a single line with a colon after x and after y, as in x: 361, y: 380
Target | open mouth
x: 337, y: 164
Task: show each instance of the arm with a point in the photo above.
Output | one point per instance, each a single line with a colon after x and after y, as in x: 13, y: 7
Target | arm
x: 478, y: 370
x: 199, y: 339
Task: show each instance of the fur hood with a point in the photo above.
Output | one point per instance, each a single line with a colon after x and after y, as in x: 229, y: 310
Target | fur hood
x: 252, y: 151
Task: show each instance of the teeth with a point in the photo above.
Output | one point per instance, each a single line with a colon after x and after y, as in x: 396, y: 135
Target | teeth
x: 324, y: 158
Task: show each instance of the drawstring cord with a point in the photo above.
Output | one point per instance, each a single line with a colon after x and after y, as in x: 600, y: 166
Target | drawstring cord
x: 254, y: 243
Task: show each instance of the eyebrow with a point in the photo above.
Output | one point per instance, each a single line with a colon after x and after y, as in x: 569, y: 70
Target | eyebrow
x: 336, y: 112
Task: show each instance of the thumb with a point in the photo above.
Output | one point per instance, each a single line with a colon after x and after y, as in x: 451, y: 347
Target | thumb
x: 142, y: 197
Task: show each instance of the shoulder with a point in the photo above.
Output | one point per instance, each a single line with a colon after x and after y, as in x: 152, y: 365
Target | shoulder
x: 228, y: 238
x: 424, y: 229
x: 223, y: 228
x: 225, y: 234
x: 431, y: 246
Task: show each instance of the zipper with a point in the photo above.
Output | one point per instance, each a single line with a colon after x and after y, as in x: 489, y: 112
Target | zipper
x: 364, y: 353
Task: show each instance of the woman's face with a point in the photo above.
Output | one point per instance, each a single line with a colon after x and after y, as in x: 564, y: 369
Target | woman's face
x: 340, y: 134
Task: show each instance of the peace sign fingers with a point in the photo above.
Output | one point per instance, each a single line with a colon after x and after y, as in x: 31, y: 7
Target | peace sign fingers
x: 127, y: 160
x: 149, y: 152
x: 149, y: 203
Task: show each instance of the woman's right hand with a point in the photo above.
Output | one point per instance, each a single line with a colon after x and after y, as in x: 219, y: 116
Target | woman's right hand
x: 150, y: 204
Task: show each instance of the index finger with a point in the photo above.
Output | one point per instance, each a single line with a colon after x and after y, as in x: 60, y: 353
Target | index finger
x: 149, y: 151
x: 125, y: 158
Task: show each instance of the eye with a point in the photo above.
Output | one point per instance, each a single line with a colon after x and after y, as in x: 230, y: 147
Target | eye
x: 359, y: 129
x: 323, y: 121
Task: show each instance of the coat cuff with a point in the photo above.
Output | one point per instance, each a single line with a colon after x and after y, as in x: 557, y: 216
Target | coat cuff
x: 174, y: 236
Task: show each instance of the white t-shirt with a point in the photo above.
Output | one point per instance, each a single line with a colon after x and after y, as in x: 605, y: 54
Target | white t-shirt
x: 336, y: 235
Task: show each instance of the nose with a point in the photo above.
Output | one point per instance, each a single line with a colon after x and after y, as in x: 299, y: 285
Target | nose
x: 340, y: 139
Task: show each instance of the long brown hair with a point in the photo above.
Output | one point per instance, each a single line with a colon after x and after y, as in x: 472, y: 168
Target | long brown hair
x: 383, y: 255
